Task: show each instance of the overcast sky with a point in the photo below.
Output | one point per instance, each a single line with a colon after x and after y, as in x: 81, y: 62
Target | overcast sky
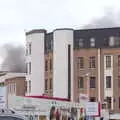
x: 17, y: 16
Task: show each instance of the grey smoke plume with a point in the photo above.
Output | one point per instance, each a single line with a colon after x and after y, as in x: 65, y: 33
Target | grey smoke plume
x: 14, y: 60
x: 110, y: 18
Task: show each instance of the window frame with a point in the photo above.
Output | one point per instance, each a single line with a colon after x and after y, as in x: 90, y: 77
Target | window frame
x: 92, y: 62
x: 108, y: 61
x: 92, y: 82
x: 108, y: 82
x: 80, y: 62
x: 80, y: 86
x: 92, y: 42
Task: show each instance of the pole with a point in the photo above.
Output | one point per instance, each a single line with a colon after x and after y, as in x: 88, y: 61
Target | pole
x: 99, y: 77
x: 88, y: 90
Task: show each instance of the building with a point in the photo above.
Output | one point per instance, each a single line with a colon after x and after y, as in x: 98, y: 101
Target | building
x: 66, y: 63
x: 14, y: 83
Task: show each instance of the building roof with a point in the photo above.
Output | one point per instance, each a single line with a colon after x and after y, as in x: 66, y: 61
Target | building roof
x: 101, y: 36
x: 36, y: 31
x: 11, y: 75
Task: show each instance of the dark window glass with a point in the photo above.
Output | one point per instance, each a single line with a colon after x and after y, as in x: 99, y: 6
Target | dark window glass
x: 46, y: 65
x: 109, y: 102
x: 118, y: 81
x: 118, y: 60
x: 51, y: 83
x: 119, y: 102
x: 80, y: 82
x: 108, y: 61
x: 46, y: 84
x: 92, y: 99
x: 29, y: 48
x: 80, y: 62
x: 26, y: 68
x: 29, y: 86
x: 29, y: 67
x: 108, y: 81
x: 79, y: 43
x: 106, y: 42
x: 51, y: 65
x: 92, y: 82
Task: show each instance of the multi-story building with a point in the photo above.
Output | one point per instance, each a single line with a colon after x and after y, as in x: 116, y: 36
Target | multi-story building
x: 14, y: 84
x: 66, y: 63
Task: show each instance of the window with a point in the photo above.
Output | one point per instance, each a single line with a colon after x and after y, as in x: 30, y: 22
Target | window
x: 92, y: 82
x: 80, y: 82
x: 80, y: 42
x: 118, y: 81
x: 119, y: 102
x: 26, y: 68
x: 25, y: 85
x: 80, y: 62
x: 111, y: 41
x: 51, y: 44
x: 51, y: 65
x: 106, y: 42
x: 46, y: 84
x: 29, y: 47
x: 108, y: 61
x: 108, y: 81
x: 118, y: 60
x: 117, y: 41
x: 51, y: 83
x: 10, y: 87
x: 109, y: 102
x: 92, y: 62
x: 46, y: 65
x: 14, y: 86
x: 92, y: 99
x: 29, y: 67
x: 29, y: 86
x: 26, y: 51
x: 92, y: 42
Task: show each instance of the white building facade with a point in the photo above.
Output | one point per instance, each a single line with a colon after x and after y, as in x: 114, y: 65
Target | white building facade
x: 63, y: 62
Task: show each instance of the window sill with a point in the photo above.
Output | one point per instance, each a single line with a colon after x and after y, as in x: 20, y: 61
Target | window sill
x: 108, y: 88
x: 92, y: 88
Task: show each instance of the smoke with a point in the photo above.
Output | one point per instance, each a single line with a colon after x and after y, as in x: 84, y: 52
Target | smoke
x: 109, y: 19
x: 14, y: 60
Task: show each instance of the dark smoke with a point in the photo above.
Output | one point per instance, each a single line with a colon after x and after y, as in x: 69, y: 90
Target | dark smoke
x: 109, y: 19
x: 14, y: 60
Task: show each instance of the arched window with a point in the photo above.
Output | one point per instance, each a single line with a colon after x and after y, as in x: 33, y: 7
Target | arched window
x: 111, y: 41
x: 80, y: 42
x: 92, y: 42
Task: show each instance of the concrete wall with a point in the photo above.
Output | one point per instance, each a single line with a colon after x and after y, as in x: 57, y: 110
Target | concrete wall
x: 37, y: 62
x: 62, y: 38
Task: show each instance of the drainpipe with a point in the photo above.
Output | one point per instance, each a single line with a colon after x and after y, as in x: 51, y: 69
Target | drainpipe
x: 99, y: 69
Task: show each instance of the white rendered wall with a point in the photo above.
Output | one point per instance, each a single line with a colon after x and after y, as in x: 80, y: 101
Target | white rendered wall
x: 60, y: 63
x: 37, y: 63
x: 108, y: 92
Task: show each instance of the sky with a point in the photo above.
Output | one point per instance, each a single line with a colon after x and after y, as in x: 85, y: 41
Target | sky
x: 19, y: 16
